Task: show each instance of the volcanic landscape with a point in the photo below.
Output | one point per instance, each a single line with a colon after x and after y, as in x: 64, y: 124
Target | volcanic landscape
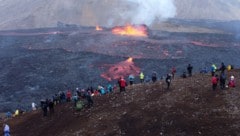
x: 37, y: 63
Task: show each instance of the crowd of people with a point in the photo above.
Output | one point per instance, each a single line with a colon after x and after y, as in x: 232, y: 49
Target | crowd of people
x: 82, y: 98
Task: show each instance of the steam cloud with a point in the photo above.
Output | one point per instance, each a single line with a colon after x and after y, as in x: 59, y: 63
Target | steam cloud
x: 148, y: 11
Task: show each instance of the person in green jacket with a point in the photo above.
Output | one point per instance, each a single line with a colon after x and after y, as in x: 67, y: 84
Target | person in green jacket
x: 141, y: 76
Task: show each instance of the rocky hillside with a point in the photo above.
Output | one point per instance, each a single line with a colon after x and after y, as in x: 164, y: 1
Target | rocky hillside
x: 43, y: 13
x: 190, y: 107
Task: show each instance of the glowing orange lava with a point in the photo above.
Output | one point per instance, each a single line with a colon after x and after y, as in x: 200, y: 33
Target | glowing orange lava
x: 130, y: 59
x: 121, y: 69
x: 98, y: 28
x: 131, y: 30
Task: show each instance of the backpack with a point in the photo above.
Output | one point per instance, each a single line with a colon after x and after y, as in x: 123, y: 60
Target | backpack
x: 79, y: 105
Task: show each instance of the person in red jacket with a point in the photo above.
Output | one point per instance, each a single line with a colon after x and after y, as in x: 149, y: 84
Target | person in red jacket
x: 231, y: 82
x: 173, y: 72
x: 69, y: 96
x: 214, y: 82
x: 122, y: 84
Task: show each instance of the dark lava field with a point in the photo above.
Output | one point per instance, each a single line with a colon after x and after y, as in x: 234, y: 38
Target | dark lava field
x: 35, y: 64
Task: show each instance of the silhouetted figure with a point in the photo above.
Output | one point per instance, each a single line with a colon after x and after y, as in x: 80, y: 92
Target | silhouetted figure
x: 222, y: 68
x: 173, y: 71
x: 184, y: 75
x: 168, y: 80
x: 189, y: 69
x: 51, y: 107
x: 44, y: 106
x: 154, y: 77
x: 222, y: 80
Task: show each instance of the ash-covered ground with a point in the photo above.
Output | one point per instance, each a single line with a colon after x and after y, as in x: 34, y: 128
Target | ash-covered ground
x: 38, y: 63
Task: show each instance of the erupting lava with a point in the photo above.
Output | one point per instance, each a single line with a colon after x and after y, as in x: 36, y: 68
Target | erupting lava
x: 131, y: 30
x: 121, y: 69
x: 98, y: 28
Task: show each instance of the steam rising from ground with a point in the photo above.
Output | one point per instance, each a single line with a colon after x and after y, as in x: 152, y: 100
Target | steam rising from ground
x: 148, y: 11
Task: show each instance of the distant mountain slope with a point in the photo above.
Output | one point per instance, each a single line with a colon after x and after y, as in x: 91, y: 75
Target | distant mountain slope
x: 18, y: 14
x: 208, y: 9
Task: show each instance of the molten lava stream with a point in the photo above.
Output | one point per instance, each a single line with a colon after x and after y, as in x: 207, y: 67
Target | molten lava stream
x: 98, y: 28
x: 121, y: 69
x: 131, y: 30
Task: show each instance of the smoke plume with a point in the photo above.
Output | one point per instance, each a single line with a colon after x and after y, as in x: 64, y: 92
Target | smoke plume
x: 148, y: 11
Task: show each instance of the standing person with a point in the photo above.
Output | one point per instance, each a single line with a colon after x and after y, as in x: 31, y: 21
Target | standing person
x: 231, y: 82
x: 222, y: 68
x: 89, y: 99
x: 34, y: 106
x: 75, y: 99
x: 222, y: 80
x: 213, y: 69
x: 131, y: 79
x: 69, y: 95
x: 51, y: 107
x: 44, y: 106
x: 173, y: 71
x: 214, y: 82
x: 168, y: 80
x: 189, y: 69
x: 141, y: 76
x: 6, y: 130
x: 119, y: 82
x: 123, y: 84
x: 154, y: 77
x: 109, y: 88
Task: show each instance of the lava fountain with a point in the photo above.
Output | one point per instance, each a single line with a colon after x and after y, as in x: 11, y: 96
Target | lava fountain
x: 131, y: 30
x: 121, y: 69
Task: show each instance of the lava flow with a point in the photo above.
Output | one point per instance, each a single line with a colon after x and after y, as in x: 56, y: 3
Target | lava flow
x: 121, y: 69
x: 98, y: 28
x: 131, y: 30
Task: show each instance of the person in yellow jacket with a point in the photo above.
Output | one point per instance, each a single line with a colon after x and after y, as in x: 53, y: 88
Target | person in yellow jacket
x: 16, y: 113
x: 141, y: 76
x: 229, y: 67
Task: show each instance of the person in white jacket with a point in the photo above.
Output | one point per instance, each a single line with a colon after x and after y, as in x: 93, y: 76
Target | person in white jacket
x: 6, y: 130
x: 34, y: 106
